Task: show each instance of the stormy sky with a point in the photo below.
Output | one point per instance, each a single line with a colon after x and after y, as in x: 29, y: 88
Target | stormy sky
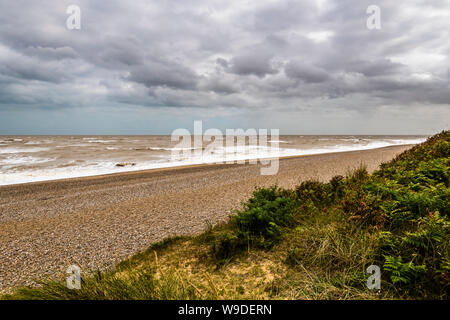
x: 149, y: 67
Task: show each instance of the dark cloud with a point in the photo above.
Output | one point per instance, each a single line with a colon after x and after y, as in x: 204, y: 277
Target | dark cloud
x: 49, y: 53
x: 381, y: 67
x: 255, y: 64
x: 164, y: 74
x: 222, y: 62
x: 305, y: 72
x: 219, y: 85
x: 19, y: 67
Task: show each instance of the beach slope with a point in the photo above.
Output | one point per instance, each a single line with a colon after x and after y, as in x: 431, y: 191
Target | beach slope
x: 98, y: 221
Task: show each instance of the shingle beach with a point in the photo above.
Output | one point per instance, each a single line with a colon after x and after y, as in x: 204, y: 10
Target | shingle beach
x: 97, y: 221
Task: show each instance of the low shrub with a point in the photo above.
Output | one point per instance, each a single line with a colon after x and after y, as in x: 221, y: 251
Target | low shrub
x: 258, y: 224
x: 264, y: 215
x: 417, y: 260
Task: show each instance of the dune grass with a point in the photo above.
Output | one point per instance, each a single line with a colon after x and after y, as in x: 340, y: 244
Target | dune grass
x: 313, y: 242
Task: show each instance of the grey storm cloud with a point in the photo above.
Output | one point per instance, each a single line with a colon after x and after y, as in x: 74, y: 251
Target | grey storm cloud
x: 252, y: 64
x: 164, y: 74
x: 49, y: 53
x: 254, y: 55
x: 305, y: 72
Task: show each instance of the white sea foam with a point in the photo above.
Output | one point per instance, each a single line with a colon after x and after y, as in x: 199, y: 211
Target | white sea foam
x: 21, y: 150
x: 38, y: 142
x: 75, y: 145
x: 278, y: 141
x: 17, y: 160
x: 170, y: 149
x: 101, y: 141
x: 96, y: 140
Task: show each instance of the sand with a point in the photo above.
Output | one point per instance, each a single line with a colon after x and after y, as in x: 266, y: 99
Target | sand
x: 97, y: 221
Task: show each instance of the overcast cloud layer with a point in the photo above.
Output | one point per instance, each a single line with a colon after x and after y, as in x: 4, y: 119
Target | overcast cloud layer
x: 306, y: 67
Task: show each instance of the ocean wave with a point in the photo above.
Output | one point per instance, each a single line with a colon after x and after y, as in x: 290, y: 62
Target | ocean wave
x: 38, y: 142
x: 75, y: 145
x: 96, y: 140
x: 169, y: 149
x: 21, y: 150
x: 15, y: 160
x: 102, y: 141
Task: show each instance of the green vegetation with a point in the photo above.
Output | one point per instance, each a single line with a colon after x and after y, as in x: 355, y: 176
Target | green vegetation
x: 314, y: 242
x: 258, y: 225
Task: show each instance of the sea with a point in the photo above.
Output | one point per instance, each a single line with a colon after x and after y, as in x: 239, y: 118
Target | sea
x: 26, y: 159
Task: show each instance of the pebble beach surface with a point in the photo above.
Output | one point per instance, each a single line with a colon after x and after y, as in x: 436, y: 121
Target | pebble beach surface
x: 97, y: 221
